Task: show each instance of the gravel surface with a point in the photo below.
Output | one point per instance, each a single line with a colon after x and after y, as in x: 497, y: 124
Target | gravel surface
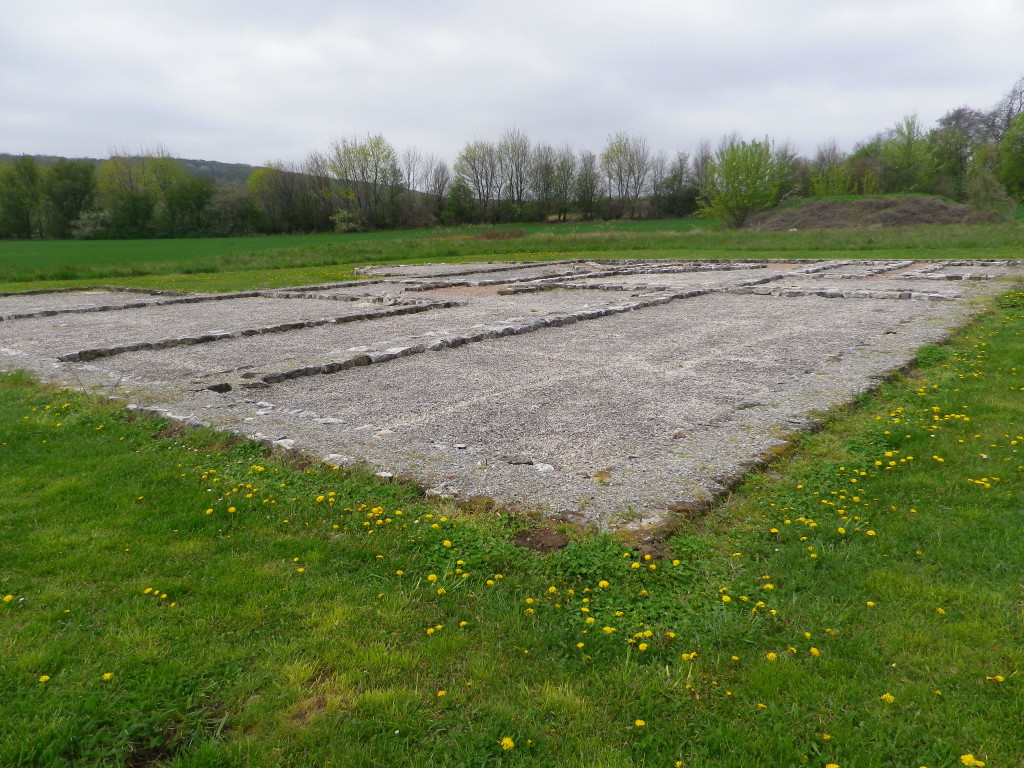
x: 628, y: 418
x: 227, y: 359
x: 48, y: 302
x: 62, y: 334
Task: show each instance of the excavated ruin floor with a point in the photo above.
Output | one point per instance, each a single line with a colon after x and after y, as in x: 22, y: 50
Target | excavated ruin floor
x: 618, y: 393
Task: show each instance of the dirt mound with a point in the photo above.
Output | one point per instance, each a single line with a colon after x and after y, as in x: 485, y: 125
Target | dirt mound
x: 868, y: 213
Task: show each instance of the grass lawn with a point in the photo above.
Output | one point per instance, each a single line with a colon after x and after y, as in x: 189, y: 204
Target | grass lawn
x: 173, y: 598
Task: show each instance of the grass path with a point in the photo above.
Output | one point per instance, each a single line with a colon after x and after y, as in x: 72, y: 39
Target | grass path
x: 180, y: 599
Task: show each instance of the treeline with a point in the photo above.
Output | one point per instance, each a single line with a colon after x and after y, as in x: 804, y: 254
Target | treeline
x: 969, y: 155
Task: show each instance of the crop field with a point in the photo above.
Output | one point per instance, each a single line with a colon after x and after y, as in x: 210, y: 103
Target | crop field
x: 181, y: 597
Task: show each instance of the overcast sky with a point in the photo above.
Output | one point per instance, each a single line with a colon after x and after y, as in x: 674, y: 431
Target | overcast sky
x: 253, y: 81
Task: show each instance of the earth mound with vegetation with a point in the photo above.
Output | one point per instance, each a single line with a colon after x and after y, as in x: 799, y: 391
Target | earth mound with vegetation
x: 870, y: 213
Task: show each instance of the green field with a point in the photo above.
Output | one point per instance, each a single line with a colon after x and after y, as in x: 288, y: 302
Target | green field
x: 173, y: 598
x: 291, y: 259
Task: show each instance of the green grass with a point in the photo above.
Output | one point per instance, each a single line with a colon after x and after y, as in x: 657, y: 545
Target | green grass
x: 254, y: 611
x: 275, y: 261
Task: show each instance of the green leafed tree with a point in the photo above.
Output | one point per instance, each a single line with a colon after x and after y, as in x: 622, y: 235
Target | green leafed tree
x: 959, y: 133
x: 69, y: 187
x: 1011, y: 159
x: 906, y: 158
x: 20, y: 184
x: 830, y: 176
x: 127, y: 195
x: 742, y: 178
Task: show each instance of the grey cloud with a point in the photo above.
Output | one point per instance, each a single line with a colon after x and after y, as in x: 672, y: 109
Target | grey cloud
x: 255, y: 81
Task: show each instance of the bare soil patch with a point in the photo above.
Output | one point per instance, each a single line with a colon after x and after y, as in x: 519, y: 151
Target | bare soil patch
x: 542, y: 540
x: 868, y: 213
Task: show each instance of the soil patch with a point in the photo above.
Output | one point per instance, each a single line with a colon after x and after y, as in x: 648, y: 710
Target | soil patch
x: 868, y: 213
x: 542, y: 540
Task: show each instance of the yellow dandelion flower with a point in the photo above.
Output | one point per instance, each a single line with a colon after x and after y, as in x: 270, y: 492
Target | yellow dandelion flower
x: 432, y: 577
x: 639, y: 723
x: 771, y: 656
x: 507, y: 744
x: 762, y: 706
x: 603, y: 584
x: 108, y: 675
x: 726, y: 599
x: 888, y: 698
x: 446, y: 543
x: 870, y: 604
x: 971, y: 760
x: 643, y: 647
x: 8, y: 598
x: 44, y: 678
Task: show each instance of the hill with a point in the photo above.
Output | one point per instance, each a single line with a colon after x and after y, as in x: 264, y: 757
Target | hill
x: 228, y: 172
x: 869, y: 213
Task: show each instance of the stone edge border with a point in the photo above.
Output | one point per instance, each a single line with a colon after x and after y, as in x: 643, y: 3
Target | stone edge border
x: 85, y: 355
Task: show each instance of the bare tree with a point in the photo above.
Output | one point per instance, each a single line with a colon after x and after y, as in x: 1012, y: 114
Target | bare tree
x: 542, y: 178
x: 703, y: 159
x: 587, y: 184
x: 319, y: 196
x: 368, y: 176
x: 565, y: 174
x: 626, y: 165
x: 676, y: 195
x: 412, y: 164
x: 478, y: 167
x: 1003, y: 113
x: 515, y: 157
x: 658, y: 174
x: 437, y: 181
